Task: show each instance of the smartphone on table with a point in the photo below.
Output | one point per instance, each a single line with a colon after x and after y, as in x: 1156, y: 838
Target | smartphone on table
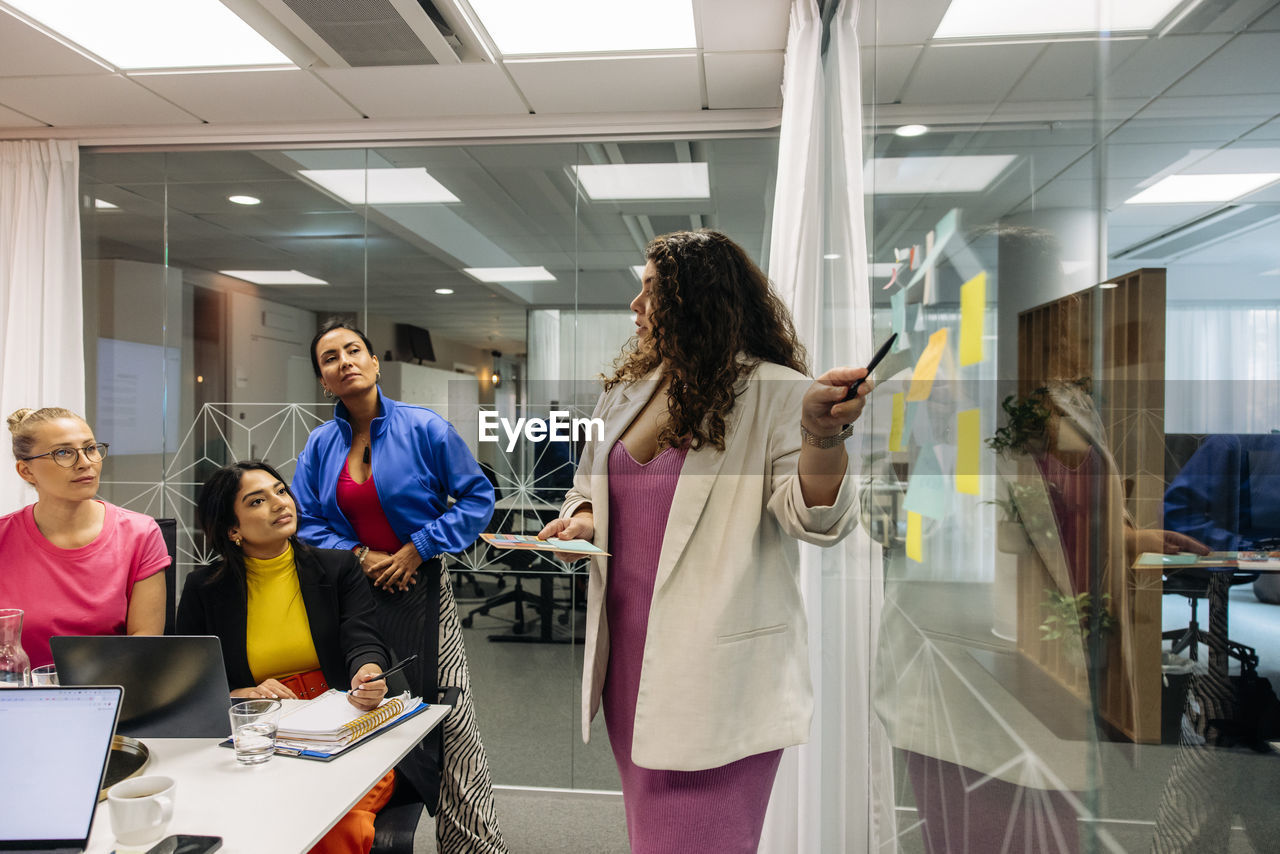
x: 181, y: 843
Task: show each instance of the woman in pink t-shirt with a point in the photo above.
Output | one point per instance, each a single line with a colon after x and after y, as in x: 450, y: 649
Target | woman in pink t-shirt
x: 74, y: 564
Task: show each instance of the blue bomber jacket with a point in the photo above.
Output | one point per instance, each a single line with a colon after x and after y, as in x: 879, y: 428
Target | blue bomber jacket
x: 419, y: 462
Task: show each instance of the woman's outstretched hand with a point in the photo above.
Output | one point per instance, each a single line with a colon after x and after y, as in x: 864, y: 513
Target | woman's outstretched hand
x: 579, y: 526
x: 824, y: 411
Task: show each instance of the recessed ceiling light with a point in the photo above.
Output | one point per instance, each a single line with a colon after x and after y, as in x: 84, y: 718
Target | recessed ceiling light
x: 509, y: 274
x: 409, y: 186
x: 519, y: 27
x: 104, y: 205
x: 831, y: 256
x: 274, y: 277
x: 636, y: 181
x: 133, y: 34
x: 444, y: 292
x: 245, y: 200
x: 1199, y: 189
x: 984, y: 18
x: 1106, y: 286
x: 912, y: 130
x: 941, y: 174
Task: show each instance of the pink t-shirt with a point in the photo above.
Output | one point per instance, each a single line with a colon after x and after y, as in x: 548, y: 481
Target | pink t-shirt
x: 82, y: 591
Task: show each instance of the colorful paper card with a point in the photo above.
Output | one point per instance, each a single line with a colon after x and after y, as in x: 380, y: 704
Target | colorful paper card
x: 898, y: 304
x: 898, y: 423
x: 927, y: 486
x: 915, y: 537
x: 973, y: 310
x: 968, y: 451
x: 927, y: 367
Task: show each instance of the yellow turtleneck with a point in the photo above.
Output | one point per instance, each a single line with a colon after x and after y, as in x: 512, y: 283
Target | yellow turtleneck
x: 277, y: 634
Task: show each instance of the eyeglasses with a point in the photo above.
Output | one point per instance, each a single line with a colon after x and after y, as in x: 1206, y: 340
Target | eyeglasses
x: 67, y: 457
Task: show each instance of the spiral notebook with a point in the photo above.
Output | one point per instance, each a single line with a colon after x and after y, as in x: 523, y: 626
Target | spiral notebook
x: 327, y: 726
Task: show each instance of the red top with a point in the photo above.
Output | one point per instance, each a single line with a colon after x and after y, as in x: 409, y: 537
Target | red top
x: 359, y: 503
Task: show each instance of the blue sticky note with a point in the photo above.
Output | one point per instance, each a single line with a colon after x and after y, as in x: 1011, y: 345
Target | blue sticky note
x: 927, y: 488
x: 898, y: 304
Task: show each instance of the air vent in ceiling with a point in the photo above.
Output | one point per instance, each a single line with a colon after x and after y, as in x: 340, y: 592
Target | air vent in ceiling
x: 379, y: 32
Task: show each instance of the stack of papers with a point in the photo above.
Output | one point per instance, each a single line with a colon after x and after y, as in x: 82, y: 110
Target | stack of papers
x: 329, y: 723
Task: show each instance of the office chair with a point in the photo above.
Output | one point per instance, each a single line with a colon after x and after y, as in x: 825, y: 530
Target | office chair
x: 1194, y: 585
x: 169, y: 530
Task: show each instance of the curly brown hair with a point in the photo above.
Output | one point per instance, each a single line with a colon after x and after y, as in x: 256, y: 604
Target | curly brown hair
x: 713, y: 318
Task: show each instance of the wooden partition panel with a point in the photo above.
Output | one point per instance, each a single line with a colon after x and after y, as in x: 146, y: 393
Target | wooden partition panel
x: 1114, y: 337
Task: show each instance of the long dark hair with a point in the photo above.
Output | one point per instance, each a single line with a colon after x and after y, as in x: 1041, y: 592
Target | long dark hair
x: 330, y: 325
x: 216, y: 515
x: 710, y: 306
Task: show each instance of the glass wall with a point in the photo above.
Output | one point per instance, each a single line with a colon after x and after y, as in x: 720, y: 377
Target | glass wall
x: 200, y: 309
x: 1079, y: 255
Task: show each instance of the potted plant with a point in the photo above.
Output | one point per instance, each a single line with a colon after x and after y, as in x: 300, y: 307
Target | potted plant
x: 1069, y: 616
x: 1011, y: 533
x: 1025, y: 421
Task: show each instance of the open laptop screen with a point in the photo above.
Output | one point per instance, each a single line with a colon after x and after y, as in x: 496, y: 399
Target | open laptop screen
x: 56, y: 744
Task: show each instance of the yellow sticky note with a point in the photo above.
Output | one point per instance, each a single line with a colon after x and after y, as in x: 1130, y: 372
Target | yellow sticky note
x: 973, y: 310
x: 915, y: 537
x: 898, y: 422
x: 927, y: 367
x: 969, y: 443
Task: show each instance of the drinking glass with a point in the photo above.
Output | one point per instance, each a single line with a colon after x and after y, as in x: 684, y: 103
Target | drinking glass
x: 253, y: 728
x: 44, y: 675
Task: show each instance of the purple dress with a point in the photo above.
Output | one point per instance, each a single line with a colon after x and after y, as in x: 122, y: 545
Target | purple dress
x: 717, y: 810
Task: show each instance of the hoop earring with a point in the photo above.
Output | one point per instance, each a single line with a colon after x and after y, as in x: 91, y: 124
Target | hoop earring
x: 377, y: 378
x: 330, y: 395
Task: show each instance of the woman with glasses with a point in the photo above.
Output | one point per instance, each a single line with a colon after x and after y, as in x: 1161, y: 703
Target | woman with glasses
x: 74, y: 564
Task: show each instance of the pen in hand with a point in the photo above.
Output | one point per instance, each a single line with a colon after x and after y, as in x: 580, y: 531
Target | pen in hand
x: 384, y: 674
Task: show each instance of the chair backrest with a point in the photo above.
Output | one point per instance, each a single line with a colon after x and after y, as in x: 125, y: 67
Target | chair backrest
x: 169, y: 530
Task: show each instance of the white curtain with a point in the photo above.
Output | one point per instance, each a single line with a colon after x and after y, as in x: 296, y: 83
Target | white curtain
x: 1222, y: 368
x: 41, y: 306
x: 835, y: 793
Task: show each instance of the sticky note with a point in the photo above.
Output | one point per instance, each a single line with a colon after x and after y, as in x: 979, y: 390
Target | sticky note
x: 927, y: 487
x: 973, y: 310
x: 915, y: 537
x: 898, y: 423
x: 969, y: 443
x: 898, y: 306
x: 945, y: 228
x: 927, y: 367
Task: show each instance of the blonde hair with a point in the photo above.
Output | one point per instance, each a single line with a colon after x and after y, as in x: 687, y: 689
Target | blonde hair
x: 25, y: 423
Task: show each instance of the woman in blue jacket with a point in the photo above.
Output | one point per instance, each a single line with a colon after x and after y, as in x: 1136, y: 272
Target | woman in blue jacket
x: 377, y: 480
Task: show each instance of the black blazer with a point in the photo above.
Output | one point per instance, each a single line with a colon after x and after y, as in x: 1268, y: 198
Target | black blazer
x: 339, y: 610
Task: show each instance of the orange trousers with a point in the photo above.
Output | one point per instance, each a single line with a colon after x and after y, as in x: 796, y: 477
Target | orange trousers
x: 353, y: 834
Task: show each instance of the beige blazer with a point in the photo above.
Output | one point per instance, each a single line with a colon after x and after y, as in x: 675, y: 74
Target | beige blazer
x: 725, y: 672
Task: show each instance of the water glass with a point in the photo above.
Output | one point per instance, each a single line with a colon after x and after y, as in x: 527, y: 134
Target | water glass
x: 253, y: 728
x: 44, y: 675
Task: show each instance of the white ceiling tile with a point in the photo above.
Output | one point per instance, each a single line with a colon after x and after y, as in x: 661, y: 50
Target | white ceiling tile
x: 1066, y: 70
x: 104, y: 100
x: 884, y: 70
x: 11, y: 119
x: 1159, y: 62
x: 468, y: 89
x: 743, y: 81
x: 968, y: 74
x: 1247, y: 108
x: 731, y: 25
x: 1270, y: 130
x: 610, y: 85
x: 1246, y: 66
x: 903, y: 23
x: 25, y: 51
x: 251, y: 96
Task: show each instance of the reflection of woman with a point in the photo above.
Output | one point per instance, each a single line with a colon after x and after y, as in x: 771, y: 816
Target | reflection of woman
x: 696, y: 636
x: 74, y: 564
x: 292, y: 620
x: 377, y: 480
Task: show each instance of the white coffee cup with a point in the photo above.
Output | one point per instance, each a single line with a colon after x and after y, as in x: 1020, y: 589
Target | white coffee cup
x: 141, y: 809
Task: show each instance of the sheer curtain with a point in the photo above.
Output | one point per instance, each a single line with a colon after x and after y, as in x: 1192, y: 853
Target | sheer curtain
x: 41, y: 306
x: 1222, y: 364
x: 834, y: 793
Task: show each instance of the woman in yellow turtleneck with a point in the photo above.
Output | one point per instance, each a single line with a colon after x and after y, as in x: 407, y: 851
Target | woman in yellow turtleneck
x: 293, y: 620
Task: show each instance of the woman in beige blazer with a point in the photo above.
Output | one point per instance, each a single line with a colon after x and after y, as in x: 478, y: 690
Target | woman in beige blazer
x: 718, y: 454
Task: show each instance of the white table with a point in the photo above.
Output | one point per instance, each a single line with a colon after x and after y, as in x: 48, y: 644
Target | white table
x: 284, y: 805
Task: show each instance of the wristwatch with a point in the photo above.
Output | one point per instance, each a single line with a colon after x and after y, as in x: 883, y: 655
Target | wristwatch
x: 826, y: 442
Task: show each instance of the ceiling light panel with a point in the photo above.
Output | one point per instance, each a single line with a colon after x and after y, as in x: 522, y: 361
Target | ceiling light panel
x: 640, y: 181
x: 274, y: 277
x: 136, y: 34
x: 522, y: 28
x: 943, y: 174
x: 503, y: 275
x: 966, y: 19
x: 1200, y: 189
x: 410, y: 186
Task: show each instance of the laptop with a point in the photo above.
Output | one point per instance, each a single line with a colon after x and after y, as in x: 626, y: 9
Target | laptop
x: 57, y: 742
x: 174, y: 685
